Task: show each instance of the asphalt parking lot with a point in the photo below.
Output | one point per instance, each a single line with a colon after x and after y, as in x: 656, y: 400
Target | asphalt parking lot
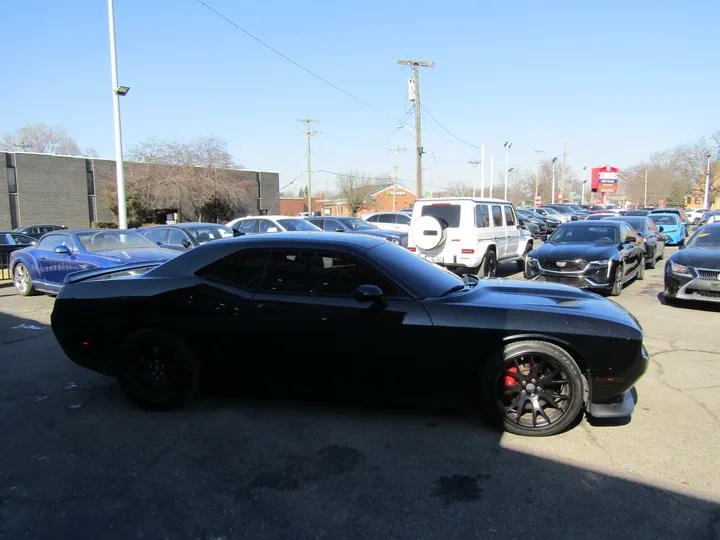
x: 78, y: 461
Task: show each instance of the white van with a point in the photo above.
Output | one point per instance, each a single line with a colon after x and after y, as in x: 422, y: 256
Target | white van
x: 468, y: 234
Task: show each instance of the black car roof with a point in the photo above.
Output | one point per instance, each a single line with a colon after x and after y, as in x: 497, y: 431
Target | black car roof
x: 591, y: 224
x: 195, y: 259
x: 189, y: 225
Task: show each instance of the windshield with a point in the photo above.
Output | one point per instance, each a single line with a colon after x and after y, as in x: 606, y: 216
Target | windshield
x: 563, y: 210
x: 104, y: 240
x: 577, y: 208
x: 585, y: 234
x: 550, y: 210
x: 211, y: 232
x: 357, y: 224
x: 425, y: 278
x: 636, y: 223
x: 297, y: 225
x: 664, y: 219
x: 706, y: 238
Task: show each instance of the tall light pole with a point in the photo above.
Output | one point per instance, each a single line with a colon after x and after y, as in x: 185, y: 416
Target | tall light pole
x: 552, y: 198
x: 645, y: 197
x: 117, y: 92
x: 482, y: 171
x: 474, y: 163
x: 706, y: 200
x: 492, y: 173
x: 582, y: 196
x: 537, y: 177
x: 507, y: 146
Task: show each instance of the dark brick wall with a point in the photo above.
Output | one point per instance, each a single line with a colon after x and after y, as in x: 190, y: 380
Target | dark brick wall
x: 270, y: 192
x: 105, y: 187
x: 53, y: 189
x: 4, y: 200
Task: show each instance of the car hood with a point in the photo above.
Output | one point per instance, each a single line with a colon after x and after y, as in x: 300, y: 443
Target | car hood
x: 511, y: 294
x: 588, y: 252
x: 379, y: 232
x: 122, y: 256
x: 698, y: 258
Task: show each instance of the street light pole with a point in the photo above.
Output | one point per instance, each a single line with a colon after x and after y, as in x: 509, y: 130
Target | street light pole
x: 119, y: 165
x: 582, y: 196
x: 492, y: 173
x: 706, y: 201
x: 482, y: 171
x: 552, y: 198
x: 645, y: 198
x: 507, y: 151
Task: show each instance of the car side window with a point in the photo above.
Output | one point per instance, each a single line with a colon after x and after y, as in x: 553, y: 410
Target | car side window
x: 482, y: 216
x: 387, y: 218
x: 331, y: 225
x: 4, y: 240
x: 67, y: 241
x: 650, y: 224
x: 49, y: 243
x: 624, y: 230
x: 266, y: 225
x: 497, y: 216
x: 243, y: 269
x: 509, y: 216
x: 247, y: 226
x: 321, y: 273
x: 373, y: 219
x: 403, y: 219
x: 157, y: 235
x: 176, y: 238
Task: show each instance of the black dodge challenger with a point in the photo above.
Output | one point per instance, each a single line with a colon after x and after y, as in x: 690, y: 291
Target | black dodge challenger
x: 352, y: 310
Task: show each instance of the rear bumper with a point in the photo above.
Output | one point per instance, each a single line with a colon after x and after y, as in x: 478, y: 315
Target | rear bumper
x: 614, y: 395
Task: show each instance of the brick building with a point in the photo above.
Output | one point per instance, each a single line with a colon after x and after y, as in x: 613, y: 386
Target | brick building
x: 382, y: 201
x: 70, y: 191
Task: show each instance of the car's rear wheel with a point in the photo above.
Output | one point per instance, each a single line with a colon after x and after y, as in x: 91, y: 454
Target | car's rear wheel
x: 652, y: 263
x: 618, y: 282
x: 157, y: 371
x: 521, y: 262
x: 22, y: 280
x: 488, y: 267
x: 537, y: 390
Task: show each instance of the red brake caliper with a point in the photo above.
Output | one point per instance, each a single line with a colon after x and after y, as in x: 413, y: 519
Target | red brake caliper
x: 510, y: 380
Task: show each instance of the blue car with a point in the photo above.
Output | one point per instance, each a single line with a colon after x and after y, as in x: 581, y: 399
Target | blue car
x: 43, y: 268
x: 671, y: 226
x: 357, y: 225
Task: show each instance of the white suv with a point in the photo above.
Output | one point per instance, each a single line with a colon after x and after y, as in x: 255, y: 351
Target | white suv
x: 468, y: 234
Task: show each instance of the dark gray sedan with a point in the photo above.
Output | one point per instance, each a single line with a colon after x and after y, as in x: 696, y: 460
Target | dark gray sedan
x: 186, y: 235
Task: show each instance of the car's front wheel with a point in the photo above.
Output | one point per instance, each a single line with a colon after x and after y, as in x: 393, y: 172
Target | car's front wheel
x: 537, y: 389
x: 617, y: 286
x: 157, y: 371
x: 652, y: 262
x: 22, y: 280
x: 641, y: 269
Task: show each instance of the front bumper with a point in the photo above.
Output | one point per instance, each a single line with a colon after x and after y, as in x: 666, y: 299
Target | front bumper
x: 592, y: 277
x: 695, y: 287
x: 602, y: 403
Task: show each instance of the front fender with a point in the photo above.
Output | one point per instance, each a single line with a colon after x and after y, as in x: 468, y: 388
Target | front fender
x: 21, y: 256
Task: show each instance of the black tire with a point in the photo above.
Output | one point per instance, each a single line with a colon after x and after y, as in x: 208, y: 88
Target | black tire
x: 22, y: 281
x: 618, y: 281
x: 681, y: 242
x: 652, y: 263
x: 641, y: 269
x: 521, y: 263
x: 157, y: 371
x: 488, y: 267
x: 524, y: 407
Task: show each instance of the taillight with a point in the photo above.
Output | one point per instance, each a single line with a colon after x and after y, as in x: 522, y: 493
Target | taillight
x: 468, y: 251
x: 411, y: 248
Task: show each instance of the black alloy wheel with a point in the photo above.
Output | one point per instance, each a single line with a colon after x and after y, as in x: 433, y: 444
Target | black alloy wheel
x: 521, y: 262
x: 538, y: 391
x: 618, y: 281
x: 157, y: 371
x: 641, y: 269
x: 652, y: 263
x: 488, y: 267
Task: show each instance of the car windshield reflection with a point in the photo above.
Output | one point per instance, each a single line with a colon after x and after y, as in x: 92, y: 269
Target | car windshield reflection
x: 106, y: 240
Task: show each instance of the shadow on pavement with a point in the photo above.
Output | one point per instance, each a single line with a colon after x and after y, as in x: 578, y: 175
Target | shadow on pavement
x: 79, y: 462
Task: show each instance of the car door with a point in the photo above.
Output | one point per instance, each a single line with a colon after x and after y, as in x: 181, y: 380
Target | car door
x: 386, y: 222
x: 499, y: 230
x: 55, y: 266
x: 247, y: 226
x: 328, y: 335
x: 332, y: 225
x: 628, y: 252
x: 178, y: 240
x: 659, y: 241
x: 267, y: 226
x: 402, y: 223
x: 157, y: 235
x: 513, y: 233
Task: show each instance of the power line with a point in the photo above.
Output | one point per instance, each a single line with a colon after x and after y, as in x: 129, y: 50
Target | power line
x: 306, y: 70
x: 446, y: 130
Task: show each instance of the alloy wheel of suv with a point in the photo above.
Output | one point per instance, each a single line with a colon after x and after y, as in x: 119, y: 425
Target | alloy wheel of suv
x: 488, y: 267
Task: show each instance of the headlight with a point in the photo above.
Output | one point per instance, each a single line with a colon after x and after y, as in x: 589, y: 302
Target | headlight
x: 600, y: 263
x: 394, y: 240
x: 681, y: 269
x: 530, y: 260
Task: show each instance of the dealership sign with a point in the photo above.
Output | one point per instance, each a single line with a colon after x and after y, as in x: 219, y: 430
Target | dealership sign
x: 604, y: 179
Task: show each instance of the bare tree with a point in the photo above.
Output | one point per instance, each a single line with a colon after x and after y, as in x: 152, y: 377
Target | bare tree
x: 456, y: 189
x: 42, y: 139
x: 356, y: 188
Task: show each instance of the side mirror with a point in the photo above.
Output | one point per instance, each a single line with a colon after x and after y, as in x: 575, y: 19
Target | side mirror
x: 368, y: 293
x: 186, y: 244
x: 159, y: 243
x: 630, y: 239
x: 272, y: 229
x: 521, y: 223
x: 339, y: 229
x: 661, y: 228
x: 62, y: 250
x: 544, y: 237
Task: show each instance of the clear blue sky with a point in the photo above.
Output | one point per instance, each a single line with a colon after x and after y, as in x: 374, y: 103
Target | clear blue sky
x: 619, y: 79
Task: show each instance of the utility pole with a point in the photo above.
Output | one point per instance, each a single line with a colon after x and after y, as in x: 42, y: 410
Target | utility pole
x: 492, y: 173
x: 482, y: 171
x: 552, y: 198
x: 507, y: 147
x: 645, y: 199
x: 397, y: 164
x: 706, y: 201
x: 537, y: 177
x: 119, y: 164
x: 308, y: 133
x: 562, y: 171
x: 474, y: 163
x: 418, y: 138
x: 582, y: 197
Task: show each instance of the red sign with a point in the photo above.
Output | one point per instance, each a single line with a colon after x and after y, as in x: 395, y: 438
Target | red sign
x: 538, y: 201
x: 604, y: 179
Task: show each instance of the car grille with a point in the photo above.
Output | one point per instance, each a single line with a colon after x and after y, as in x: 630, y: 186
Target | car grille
x: 709, y: 275
x: 563, y: 266
x: 706, y: 294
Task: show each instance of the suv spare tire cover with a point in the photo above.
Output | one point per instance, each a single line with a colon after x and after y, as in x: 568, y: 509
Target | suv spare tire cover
x: 428, y: 232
